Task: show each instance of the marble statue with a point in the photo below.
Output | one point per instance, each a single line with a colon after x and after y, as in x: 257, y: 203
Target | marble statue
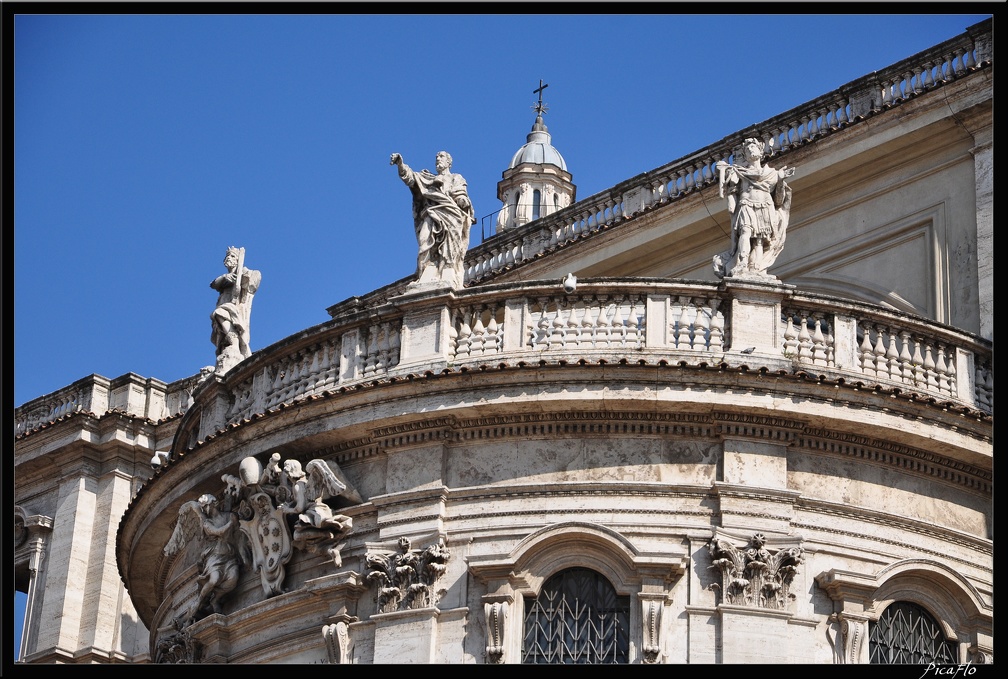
x: 759, y: 201
x: 216, y: 529
x: 265, y: 512
x: 318, y: 529
x: 230, y: 319
x: 442, y: 215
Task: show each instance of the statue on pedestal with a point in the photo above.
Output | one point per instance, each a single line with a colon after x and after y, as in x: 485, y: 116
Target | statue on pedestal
x: 230, y: 319
x: 442, y: 215
x: 759, y: 201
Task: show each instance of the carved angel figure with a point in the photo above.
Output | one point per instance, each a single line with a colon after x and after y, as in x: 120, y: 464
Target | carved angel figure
x: 215, y: 530
x: 317, y: 529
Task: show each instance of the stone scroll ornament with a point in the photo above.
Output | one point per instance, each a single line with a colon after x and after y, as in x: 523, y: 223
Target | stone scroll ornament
x: 754, y: 576
x: 442, y: 217
x: 759, y: 202
x: 406, y: 579
x: 264, y: 514
x: 229, y: 321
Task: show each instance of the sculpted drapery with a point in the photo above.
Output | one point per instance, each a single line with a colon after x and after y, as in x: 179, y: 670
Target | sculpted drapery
x: 442, y: 216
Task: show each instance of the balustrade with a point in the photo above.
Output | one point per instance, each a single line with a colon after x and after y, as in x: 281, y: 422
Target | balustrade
x: 609, y: 316
x: 889, y: 87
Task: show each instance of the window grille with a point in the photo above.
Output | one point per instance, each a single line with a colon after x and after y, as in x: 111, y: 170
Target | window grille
x: 907, y: 634
x: 577, y: 619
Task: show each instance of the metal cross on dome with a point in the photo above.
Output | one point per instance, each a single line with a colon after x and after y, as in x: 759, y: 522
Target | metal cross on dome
x: 540, y: 107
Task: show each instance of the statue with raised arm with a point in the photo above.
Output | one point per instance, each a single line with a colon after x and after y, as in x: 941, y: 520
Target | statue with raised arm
x: 215, y: 531
x: 759, y: 201
x: 230, y: 319
x: 442, y: 215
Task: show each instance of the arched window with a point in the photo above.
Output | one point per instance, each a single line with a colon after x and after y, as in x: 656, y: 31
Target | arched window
x: 536, y: 204
x: 907, y: 634
x: 577, y: 619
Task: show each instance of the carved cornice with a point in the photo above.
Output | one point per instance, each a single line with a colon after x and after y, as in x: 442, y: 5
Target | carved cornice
x: 865, y: 448
x: 976, y: 546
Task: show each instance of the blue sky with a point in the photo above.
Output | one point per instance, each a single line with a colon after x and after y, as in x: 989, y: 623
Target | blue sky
x: 145, y: 145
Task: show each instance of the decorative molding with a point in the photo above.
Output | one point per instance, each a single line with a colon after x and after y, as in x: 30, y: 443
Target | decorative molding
x: 754, y: 576
x: 651, y: 617
x: 177, y: 647
x: 337, y: 641
x: 496, y: 613
x: 405, y: 580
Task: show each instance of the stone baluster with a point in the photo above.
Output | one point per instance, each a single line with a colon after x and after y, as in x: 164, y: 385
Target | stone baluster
x: 716, y: 342
x: 791, y: 337
x: 942, y: 368
x: 371, y: 357
x: 969, y: 62
x: 701, y: 328
x: 619, y: 323
x: 463, y: 340
x: 930, y: 368
x: 603, y: 332
x: 813, y: 125
x: 494, y: 342
x: 658, y: 193
x: 892, y: 357
x: 804, y: 339
x: 478, y: 334
x: 572, y: 329
x: 681, y: 333
x: 916, y: 362
x: 557, y: 326
x: 819, y: 344
x: 589, y: 322
x: 867, y: 352
x: 842, y: 117
x: 906, y: 371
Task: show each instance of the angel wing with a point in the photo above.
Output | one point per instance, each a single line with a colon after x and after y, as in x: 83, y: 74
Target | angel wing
x: 322, y: 480
x: 188, y: 526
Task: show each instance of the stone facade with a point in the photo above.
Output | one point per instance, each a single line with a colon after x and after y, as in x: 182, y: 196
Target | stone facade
x: 753, y: 471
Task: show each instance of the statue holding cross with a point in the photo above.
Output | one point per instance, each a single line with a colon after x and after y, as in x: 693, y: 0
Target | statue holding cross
x: 230, y: 318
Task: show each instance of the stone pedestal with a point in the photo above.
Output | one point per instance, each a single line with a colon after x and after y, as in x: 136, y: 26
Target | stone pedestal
x: 753, y: 635
x: 405, y: 637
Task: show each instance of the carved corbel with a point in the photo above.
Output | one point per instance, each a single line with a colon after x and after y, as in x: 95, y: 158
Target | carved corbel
x: 496, y: 625
x: 337, y: 641
x: 978, y: 656
x: 852, y: 635
x: 651, y: 614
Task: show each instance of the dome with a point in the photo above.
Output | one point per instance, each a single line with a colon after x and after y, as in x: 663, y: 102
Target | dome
x: 538, y: 149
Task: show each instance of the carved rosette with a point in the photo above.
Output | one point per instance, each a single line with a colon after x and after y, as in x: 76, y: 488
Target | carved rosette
x: 754, y: 576
x: 405, y: 580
